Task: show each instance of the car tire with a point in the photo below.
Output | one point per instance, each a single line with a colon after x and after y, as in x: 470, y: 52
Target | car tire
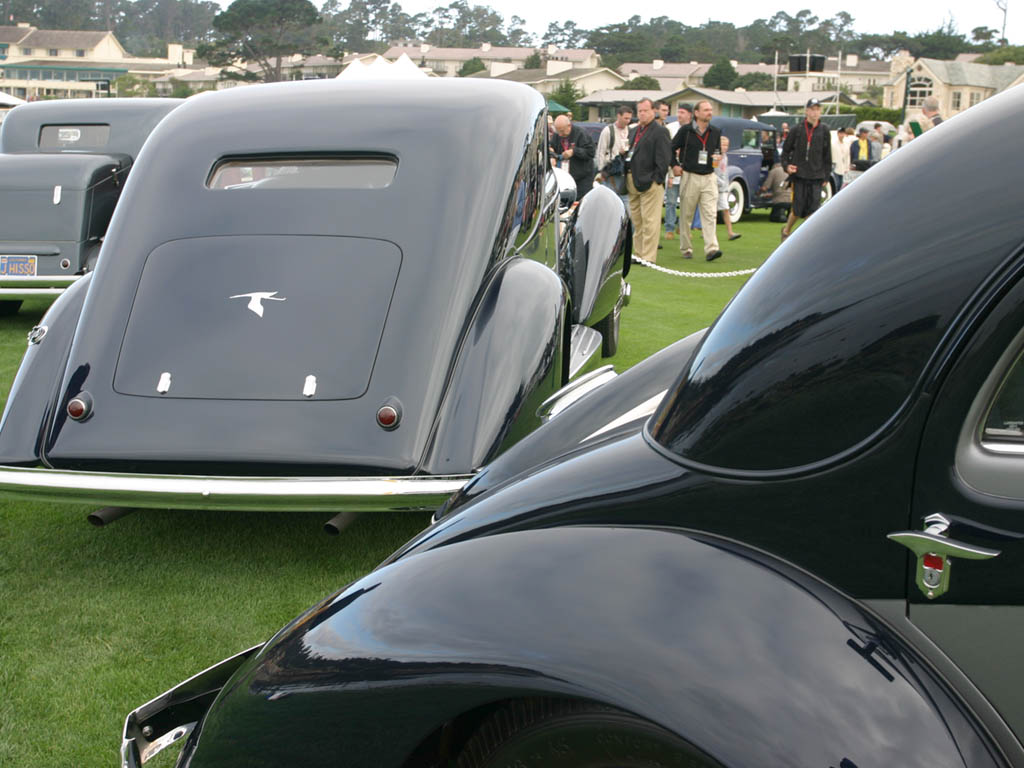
x: 8, y: 308
x: 608, y: 327
x: 737, y: 201
x: 554, y: 733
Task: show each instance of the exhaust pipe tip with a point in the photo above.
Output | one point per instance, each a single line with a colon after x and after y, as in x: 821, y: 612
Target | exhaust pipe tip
x: 339, y: 522
x: 106, y: 515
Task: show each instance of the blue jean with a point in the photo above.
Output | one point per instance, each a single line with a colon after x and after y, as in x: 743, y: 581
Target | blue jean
x: 671, y: 199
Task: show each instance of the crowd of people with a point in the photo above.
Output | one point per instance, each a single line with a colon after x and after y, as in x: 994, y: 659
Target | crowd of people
x: 656, y: 165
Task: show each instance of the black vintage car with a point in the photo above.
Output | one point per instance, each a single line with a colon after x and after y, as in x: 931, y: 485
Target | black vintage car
x: 757, y: 574
x: 62, y: 167
x: 320, y: 296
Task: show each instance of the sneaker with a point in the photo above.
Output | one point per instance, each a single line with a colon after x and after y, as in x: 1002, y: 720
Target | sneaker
x: 735, y: 236
x: 713, y: 255
x: 687, y: 254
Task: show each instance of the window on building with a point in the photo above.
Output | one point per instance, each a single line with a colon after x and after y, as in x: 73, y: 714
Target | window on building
x: 975, y: 97
x: 26, y: 51
x: 920, y: 88
x: 80, y: 53
x: 51, y: 52
x: 3, y: 51
x: 955, y: 102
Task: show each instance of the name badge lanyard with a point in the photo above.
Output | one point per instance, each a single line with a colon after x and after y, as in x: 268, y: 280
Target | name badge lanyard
x: 809, y: 130
x: 702, y: 157
x: 639, y: 135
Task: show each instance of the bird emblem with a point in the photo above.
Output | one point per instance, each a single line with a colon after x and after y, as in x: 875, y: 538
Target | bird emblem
x: 256, y: 299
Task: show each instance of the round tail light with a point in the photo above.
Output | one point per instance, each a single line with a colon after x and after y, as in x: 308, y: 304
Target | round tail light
x: 389, y: 415
x: 80, y: 407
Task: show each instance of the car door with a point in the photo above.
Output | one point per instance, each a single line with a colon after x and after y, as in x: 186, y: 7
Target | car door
x: 970, y: 470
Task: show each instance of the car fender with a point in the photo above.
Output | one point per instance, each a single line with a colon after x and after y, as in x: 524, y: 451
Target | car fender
x: 613, y: 409
x: 510, y: 361
x: 596, y: 256
x: 34, y: 393
x: 748, y: 659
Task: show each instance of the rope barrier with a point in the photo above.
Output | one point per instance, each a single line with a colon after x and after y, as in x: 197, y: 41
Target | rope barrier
x: 677, y: 273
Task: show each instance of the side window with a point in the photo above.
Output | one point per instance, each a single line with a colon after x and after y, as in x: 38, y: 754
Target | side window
x: 750, y: 138
x: 1005, y: 420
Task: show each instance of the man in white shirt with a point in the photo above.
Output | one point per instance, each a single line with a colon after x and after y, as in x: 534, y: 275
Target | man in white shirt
x: 614, y: 142
x: 685, y: 114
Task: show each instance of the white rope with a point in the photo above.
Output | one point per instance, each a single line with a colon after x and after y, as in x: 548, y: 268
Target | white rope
x: 677, y: 273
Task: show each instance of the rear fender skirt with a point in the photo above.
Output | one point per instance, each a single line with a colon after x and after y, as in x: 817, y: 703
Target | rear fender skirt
x: 612, y: 409
x: 29, y: 408
x: 750, y: 660
x: 510, y: 362
x: 596, y: 255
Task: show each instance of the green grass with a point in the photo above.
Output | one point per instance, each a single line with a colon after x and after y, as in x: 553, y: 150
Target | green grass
x: 95, y: 622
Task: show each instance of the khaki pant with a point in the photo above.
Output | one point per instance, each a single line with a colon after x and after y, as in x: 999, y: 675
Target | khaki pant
x: 645, y: 212
x: 702, y: 189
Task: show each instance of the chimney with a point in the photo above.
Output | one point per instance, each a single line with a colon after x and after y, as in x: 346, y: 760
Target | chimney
x: 734, y: 63
x: 851, y: 59
x: 424, y: 47
x: 24, y: 24
x: 551, y: 49
x: 485, y: 47
x: 553, y: 66
x: 657, y: 64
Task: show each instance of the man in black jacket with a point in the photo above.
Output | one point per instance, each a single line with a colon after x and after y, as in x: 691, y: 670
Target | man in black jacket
x: 697, y: 149
x: 807, y: 158
x: 648, y: 158
x: 574, y: 147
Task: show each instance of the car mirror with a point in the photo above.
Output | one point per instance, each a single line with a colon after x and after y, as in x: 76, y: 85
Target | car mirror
x: 566, y: 188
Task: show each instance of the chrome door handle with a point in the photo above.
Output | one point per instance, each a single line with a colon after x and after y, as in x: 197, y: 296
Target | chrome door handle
x: 933, y: 550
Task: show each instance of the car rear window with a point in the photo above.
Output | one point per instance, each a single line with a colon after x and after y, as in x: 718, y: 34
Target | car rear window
x: 74, y: 136
x: 266, y: 173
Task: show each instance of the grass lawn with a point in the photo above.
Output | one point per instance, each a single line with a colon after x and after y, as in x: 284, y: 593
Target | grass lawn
x: 95, y: 622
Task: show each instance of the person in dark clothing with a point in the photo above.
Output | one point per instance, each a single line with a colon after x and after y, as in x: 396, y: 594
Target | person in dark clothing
x: 648, y: 160
x: 807, y: 158
x: 696, y: 149
x: 573, y: 146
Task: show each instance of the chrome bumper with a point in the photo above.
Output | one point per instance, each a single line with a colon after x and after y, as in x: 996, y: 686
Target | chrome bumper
x: 173, y: 715
x: 249, y: 494
x: 14, y: 287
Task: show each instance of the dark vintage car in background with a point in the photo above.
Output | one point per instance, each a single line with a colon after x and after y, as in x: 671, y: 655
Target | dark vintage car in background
x: 355, y: 315
x: 758, y: 573
x: 63, y: 165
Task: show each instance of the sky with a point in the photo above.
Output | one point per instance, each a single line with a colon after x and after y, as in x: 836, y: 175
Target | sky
x: 911, y: 16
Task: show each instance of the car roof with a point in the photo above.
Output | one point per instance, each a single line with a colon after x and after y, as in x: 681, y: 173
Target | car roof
x: 833, y: 335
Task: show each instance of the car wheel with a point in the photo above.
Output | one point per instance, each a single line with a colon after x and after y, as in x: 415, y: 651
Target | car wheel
x: 572, y: 734
x: 737, y: 201
x: 609, y: 330
x: 8, y: 308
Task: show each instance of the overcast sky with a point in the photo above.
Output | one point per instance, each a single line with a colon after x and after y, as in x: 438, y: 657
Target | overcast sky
x: 906, y: 15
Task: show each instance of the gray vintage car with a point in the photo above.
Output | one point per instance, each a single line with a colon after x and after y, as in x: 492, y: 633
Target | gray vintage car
x: 63, y: 165
x: 320, y: 296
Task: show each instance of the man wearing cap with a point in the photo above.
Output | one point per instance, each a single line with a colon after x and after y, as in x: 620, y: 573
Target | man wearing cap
x: 807, y: 158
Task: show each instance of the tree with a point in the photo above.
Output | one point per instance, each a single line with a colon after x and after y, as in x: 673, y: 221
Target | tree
x: 566, y: 94
x: 721, y: 75
x: 755, y: 81
x: 264, y: 32
x: 641, y: 83
x: 131, y: 86
x: 533, y: 61
x: 472, y: 65
x: 1008, y: 53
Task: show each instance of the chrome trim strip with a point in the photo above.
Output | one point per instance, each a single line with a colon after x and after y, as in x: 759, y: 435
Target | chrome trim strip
x: 28, y: 293
x: 249, y: 494
x: 574, y: 390
x: 41, y: 281
x: 583, y: 345
x: 641, y: 411
x: 1007, y: 448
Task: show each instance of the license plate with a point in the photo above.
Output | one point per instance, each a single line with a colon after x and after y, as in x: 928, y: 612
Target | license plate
x: 17, y: 266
